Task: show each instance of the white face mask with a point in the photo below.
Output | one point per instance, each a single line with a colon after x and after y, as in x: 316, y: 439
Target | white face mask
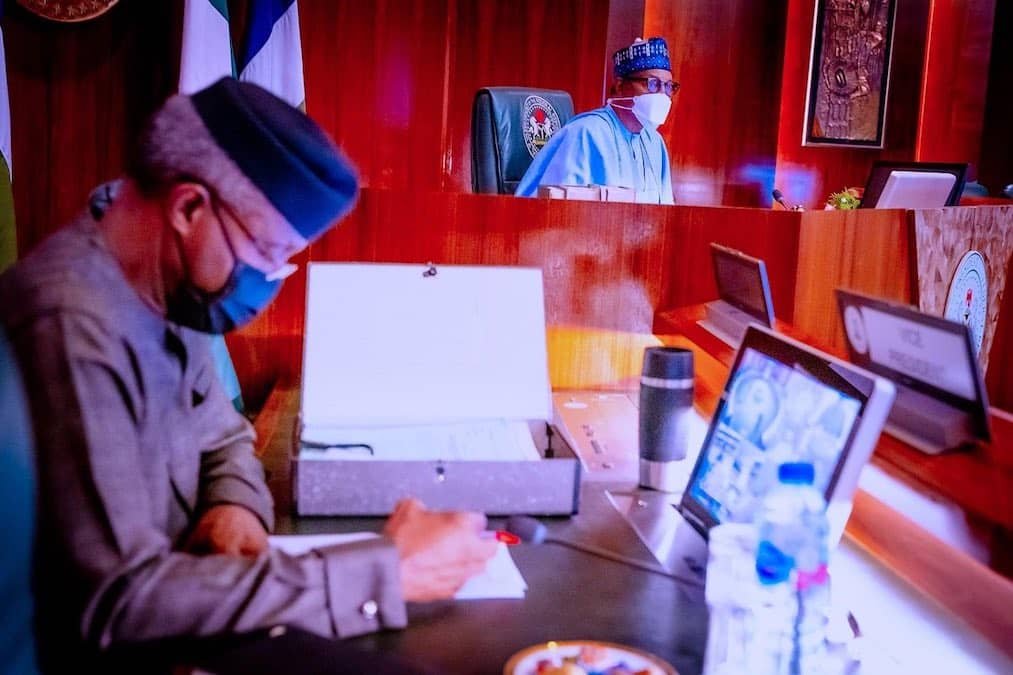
x: 651, y: 110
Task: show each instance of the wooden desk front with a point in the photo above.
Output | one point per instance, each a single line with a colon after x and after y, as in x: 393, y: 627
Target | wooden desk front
x: 608, y: 268
x: 571, y: 595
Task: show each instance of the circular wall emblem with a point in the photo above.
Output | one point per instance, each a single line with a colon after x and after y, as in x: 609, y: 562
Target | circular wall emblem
x: 68, y: 11
x: 967, y: 299
x: 540, y: 121
x: 854, y: 326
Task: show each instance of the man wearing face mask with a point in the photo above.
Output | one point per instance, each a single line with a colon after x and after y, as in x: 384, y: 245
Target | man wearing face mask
x: 618, y: 144
x: 153, y: 510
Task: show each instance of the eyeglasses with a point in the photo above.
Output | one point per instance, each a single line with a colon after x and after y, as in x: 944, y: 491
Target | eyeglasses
x: 283, y: 271
x: 656, y: 84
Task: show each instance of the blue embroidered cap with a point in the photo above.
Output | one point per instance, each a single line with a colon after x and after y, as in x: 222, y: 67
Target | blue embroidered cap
x: 282, y: 151
x: 641, y: 55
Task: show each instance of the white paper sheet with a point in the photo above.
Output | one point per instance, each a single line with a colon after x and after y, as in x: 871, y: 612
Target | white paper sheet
x: 497, y: 440
x: 501, y: 578
x: 387, y: 345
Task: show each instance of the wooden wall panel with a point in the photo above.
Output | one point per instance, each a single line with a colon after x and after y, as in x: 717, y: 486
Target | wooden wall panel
x: 393, y: 80
x: 722, y: 131
x: 996, y: 166
x: 552, y: 44
x: 770, y: 235
x: 835, y: 251
x: 78, y: 93
x: 626, y: 22
x: 953, y: 91
x: 807, y: 175
x: 375, y: 79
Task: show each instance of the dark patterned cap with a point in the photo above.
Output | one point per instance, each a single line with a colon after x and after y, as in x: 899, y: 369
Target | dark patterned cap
x: 282, y: 151
x: 641, y: 55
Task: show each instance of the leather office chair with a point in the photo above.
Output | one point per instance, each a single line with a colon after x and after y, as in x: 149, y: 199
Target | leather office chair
x: 509, y: 125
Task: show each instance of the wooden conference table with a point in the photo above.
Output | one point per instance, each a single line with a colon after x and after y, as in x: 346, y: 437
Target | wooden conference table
x: 573, y: 595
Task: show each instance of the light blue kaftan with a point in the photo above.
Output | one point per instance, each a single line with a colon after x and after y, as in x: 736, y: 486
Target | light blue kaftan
x: 595, y: 148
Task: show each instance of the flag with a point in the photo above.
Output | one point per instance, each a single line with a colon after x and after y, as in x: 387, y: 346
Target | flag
x: 272, y: 56
x: 8, y: 229
x: 207, y: 45
x: 205, y: 58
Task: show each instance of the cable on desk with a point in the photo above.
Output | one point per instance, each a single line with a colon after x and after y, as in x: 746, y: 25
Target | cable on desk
x: 531, y: 531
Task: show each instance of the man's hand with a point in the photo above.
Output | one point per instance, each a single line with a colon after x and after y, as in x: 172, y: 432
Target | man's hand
x: 227, y: 528
x: 439, y: 550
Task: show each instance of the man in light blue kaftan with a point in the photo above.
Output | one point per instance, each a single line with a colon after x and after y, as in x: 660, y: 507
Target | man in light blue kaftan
x: 618, y: 144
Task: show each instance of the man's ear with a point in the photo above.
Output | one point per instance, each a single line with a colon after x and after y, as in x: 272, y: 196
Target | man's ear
x: 619, y: 88
x: 186, y: 206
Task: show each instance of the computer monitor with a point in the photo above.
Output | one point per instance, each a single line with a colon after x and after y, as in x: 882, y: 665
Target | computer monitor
x: 744, y: 292
x: 941, y: 401
x: 913, y: 185
x: 785, y: 402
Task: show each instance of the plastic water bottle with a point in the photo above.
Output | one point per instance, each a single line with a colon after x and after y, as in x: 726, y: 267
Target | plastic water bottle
x: 793, y: 601
x: 731, y: 586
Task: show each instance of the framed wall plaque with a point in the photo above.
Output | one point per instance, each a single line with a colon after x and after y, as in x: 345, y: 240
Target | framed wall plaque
x: 68, y: 11
x: 849, y: 73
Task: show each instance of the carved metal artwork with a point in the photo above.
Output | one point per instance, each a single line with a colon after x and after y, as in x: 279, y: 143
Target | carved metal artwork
x: 849, y: 72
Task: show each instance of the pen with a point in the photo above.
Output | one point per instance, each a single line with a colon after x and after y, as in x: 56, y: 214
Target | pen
x: 501, y: 536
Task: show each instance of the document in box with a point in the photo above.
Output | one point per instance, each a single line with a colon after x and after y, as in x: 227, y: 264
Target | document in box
x: 501, y: 578
x: 413, y: 345
x: 494, y: 440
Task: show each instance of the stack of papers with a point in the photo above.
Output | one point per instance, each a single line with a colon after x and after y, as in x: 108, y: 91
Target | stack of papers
x: 499, y: 440
x: 501, y: 578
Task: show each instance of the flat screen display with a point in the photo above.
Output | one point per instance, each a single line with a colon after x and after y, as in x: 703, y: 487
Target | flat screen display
x: 772, y: 412
x: 915, y: 190
x: 742, y: 282
x: 898, y: 185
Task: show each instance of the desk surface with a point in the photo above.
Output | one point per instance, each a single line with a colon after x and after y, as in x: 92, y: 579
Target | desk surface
x: 571, y: 595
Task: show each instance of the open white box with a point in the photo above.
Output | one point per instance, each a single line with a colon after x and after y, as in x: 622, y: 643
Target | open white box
x: 427, y: 382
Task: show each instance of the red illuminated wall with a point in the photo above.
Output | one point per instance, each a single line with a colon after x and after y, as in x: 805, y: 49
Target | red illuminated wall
x: 393, y: 80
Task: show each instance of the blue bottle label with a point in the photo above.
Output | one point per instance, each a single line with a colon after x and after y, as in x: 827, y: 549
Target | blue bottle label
x: 772, y: 565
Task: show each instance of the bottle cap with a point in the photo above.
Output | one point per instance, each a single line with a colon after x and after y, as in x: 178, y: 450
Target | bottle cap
x: 796, y: 473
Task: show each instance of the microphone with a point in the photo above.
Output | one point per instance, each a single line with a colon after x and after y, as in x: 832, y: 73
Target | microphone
x: 531, y: 531
x: 779, y: 198
x: 527, y: 529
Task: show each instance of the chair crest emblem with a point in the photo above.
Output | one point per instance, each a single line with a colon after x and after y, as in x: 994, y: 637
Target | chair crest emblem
x: 539, y: 122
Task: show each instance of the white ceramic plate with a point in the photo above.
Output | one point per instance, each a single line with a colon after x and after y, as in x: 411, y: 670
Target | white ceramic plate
x: 590, y: 655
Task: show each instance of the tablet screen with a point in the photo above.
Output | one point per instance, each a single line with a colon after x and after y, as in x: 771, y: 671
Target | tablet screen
x: 742, y: 283
x: 772, y: 412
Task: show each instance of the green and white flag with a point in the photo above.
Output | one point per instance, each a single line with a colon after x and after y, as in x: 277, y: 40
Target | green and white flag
x: 272, y: 57
x: 8, y: 229
x: 207, y: 45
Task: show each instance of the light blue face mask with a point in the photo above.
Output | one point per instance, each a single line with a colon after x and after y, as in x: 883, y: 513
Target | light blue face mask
x: 245, y: 294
